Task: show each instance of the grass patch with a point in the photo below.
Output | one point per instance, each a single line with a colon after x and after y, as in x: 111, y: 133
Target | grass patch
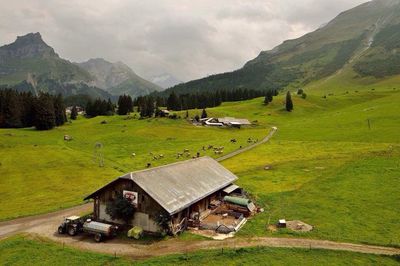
x: 20, y: 250
x: 329, y: 168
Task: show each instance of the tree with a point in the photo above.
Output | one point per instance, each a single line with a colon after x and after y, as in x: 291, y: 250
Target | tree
x: 204, y: 114
x: 289, y: 103
x: 268, y: 97
x: 59, y: 110
x: 28, y: 115
x: 11, y: 110
x: 125, y: 104
x: 173, y: 102
x: 74, y: 113
x: 163, y: 220
x: 120, y: 208
x: 110, y: 107
x: 45, y: 117
x: 300, y: 91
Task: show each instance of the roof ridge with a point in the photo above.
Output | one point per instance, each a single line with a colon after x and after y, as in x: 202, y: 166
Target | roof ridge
x: 167, y: 165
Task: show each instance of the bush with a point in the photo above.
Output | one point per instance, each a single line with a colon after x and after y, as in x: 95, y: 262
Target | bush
x: 120, y: 208
x: 173, y: 116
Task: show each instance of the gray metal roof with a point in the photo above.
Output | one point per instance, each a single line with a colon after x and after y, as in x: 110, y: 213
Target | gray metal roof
x: 231, y: 188
x: 232, y: 120
x: 176, y: 186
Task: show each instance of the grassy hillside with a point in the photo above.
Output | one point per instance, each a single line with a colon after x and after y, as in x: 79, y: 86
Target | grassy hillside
x: 24, y: 250
x: 365, y: 37
x: 329, y: 168
x: 43, y: 160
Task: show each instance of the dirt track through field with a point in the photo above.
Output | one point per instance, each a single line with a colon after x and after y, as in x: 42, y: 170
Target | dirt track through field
x: 234, y: 153
x: 46, y: 226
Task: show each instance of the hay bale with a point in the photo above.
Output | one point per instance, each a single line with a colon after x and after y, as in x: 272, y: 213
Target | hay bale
x: 135, y: 232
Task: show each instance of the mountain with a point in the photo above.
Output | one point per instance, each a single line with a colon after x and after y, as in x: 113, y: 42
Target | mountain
x: 165, y: 80
x: 29, y: 64
x: 364, y: 40
x: 117, y: 78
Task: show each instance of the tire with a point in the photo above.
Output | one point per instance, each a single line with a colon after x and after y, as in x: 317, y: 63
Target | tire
x: 98, y: 238
x: 61, y: 230
x: 72, y: 231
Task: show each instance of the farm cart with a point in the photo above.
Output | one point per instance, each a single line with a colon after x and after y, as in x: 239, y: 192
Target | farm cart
x: 99, y: 230
x: 74, y: 224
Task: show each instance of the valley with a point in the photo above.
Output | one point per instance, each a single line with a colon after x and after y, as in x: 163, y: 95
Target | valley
x: 306, y: 134
x: 328, y: 167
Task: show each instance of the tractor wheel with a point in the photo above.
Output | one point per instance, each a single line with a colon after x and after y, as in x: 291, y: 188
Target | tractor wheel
x: 72, y: 231
x: 98, y: 237
x: 61, y: 230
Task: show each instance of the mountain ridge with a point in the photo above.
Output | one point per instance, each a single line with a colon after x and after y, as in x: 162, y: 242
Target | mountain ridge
x: 350, y: 38
x: 30, y: 64
x: 117, y: 78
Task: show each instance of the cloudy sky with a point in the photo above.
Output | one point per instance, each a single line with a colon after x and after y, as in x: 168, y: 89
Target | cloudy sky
x: 189, y: 39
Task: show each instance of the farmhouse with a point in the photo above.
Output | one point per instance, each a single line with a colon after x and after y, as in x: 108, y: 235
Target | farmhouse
x: 225, y: 121
x: 79, y: 109
x: 183, y: 192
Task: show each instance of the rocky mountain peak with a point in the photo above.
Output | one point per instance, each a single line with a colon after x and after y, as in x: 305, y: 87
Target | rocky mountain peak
x: 28, y: 46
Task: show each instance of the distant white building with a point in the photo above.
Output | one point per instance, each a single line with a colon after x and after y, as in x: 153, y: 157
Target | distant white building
x: 225, y: 121
x: 80, y: 110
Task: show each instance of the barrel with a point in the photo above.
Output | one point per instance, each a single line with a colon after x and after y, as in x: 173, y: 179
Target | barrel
x: 238, y: 201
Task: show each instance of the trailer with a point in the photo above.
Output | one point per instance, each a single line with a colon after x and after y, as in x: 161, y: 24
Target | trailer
x: 99, y: 230
x: 74, y: 224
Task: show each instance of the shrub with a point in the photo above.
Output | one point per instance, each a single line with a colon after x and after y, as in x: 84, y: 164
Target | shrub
x: 120, y: 208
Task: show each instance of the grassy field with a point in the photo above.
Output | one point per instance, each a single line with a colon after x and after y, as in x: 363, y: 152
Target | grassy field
x: 329, y: 168
x: 50, y: 173
x: 22, y: 250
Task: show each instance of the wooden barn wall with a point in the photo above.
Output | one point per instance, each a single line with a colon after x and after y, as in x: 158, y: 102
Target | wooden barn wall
x: 147, y: 207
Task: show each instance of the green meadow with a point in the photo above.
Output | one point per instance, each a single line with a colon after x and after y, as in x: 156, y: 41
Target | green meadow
x: 20, y: 250
x: 334, y: 161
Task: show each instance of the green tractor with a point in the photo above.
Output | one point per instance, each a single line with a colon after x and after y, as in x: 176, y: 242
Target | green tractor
x: 71, y: 225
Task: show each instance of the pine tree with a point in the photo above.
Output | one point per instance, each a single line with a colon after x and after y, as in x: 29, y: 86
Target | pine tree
x: 110, y: 108
x: 12, y: 110
x: 28, y: 115
x: 204, y: 114
x: 266, y: 100
x: 289, y: 103
x: 173, y: 102
x: 59, y: 110
x: 270, y: 96
x: 123, y: 105
x: 45, y: 117
x: 74, y: 113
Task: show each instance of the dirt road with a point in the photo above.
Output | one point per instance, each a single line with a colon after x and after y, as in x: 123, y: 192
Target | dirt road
x: 234, y: 153
x: 46, y: 226
x: 25, y: 224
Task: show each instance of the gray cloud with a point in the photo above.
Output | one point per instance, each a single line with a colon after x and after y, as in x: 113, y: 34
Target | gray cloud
x: 189, y: 39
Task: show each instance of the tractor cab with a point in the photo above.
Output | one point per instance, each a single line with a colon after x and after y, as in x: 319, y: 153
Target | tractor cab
x: 71, y: 225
